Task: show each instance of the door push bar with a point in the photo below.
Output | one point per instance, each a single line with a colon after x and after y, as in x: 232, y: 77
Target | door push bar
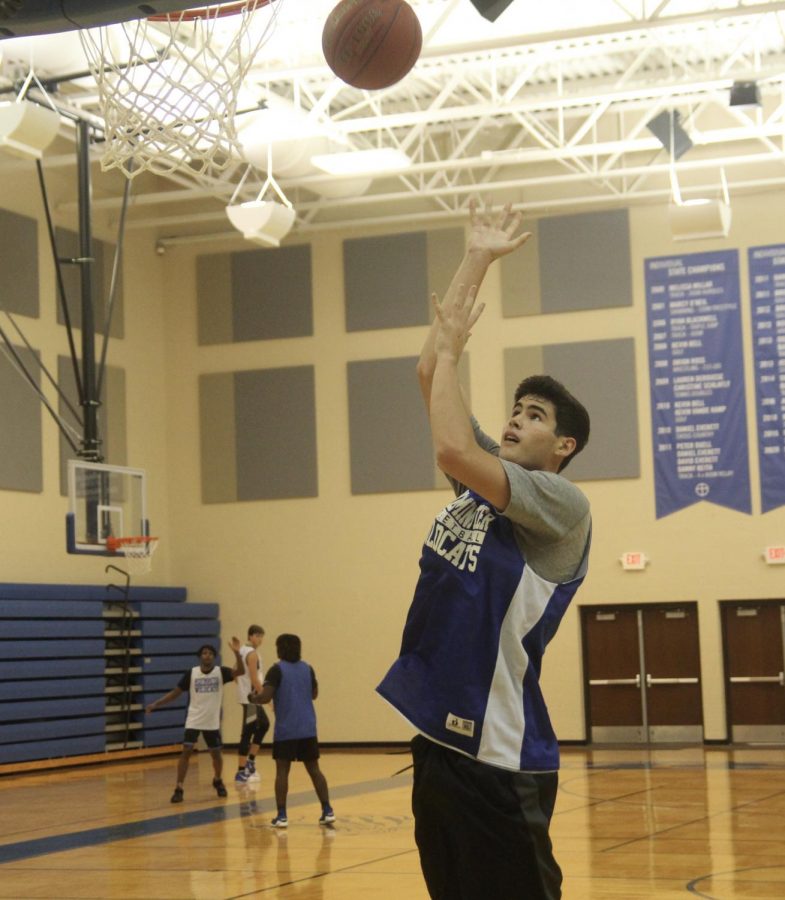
x: 650, y: 681
x: 606, y: 682
x: 759, y: 679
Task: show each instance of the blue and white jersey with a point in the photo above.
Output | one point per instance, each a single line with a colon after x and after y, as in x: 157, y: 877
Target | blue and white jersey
x: 471, y: 654
x: 295, y: 716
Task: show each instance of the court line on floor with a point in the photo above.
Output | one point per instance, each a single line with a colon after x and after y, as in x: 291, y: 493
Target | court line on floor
x: 293, y: 881
x: 90, y: 837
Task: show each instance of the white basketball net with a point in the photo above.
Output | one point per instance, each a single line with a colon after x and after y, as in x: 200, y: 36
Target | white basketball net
x: 169, y: 89
x: 138, y: 555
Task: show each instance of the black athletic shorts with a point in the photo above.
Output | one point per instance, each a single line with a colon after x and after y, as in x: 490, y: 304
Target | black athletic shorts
x: 482, y: 832
x: 211, y: 738
x: 301, y: 749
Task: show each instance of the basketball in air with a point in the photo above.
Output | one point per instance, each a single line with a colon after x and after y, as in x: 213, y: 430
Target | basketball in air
x: 371, y: 44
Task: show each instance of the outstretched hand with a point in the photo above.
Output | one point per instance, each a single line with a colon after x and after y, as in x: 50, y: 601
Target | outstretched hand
x: 457, y: 316
x: 235, y: 644
x: 493, y: 231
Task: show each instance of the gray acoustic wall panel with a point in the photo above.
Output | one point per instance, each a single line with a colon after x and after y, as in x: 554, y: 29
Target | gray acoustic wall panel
x: 388, y: 280
x: 21, y: 462
x: 214, y: 298
x: 271, y: 293
x: 601, y: 374
x: 255, y: 295
x: 217, y: 436
x: 112, y: 427
x: 443, y: 251
x: 276, y: 433
x: 19, y: 264
x: 584, y: 261
x: 101, y: 283
x: 390, y: 444
x: 258, y: 435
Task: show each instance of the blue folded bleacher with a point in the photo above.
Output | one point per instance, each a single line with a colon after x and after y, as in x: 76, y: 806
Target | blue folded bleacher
x: 78, y: 664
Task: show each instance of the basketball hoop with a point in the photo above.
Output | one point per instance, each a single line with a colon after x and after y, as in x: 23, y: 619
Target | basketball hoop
x: 169, y: 86
x: 138, y: 552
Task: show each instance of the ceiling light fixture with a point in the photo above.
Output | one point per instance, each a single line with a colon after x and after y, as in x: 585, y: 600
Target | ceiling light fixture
x: 264, y: 222
x: 27, y: 129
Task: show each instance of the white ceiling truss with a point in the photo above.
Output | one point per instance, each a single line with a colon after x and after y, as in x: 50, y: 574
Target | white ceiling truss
x: 554, y: 121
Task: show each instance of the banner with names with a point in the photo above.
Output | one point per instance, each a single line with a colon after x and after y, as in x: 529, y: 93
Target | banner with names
x: 699, y: 421
x: 767, y: 290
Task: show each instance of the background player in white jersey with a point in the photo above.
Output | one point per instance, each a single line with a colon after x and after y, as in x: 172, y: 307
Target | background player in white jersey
x: 255, y: 721
x: 204, y: 684
x: 498, y: 570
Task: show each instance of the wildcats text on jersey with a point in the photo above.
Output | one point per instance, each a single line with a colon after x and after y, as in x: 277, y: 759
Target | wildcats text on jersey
x: 459, y: 531
x: 209, y: 685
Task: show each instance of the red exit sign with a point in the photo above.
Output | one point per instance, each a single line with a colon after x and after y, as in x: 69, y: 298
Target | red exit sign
x: 634, y: 560
x: 775, y: 556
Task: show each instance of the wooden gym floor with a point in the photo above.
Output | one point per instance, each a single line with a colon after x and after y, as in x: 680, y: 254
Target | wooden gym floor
x: 629, y: 824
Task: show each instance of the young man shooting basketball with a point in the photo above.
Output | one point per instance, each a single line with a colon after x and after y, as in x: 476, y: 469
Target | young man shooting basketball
x: 498, y: 570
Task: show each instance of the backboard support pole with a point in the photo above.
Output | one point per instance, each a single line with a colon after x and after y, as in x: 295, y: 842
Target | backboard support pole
x: 91, y: 449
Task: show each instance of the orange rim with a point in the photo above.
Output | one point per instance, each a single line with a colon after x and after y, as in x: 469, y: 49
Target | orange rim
x: 115, y: 543
x: 217, y: 11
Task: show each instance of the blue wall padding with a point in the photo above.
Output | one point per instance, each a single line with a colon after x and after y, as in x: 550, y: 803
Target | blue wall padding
x: 55, y: 749
x: 45, y: 709
x: 37, y: 731
x: 58, y: 694
x: 49, y: 628
x: 187, y: 611
x: 51, y: 687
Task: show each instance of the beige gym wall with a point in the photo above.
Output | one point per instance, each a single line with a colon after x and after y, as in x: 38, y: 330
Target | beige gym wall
x: 340, y: 569
x: 32, y: 527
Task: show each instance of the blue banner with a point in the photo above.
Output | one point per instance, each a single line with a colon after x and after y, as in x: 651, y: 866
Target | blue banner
x: 699, y: 419
x: 767, y: 290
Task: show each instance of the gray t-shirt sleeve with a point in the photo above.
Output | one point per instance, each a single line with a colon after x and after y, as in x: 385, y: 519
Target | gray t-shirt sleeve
x: 550, y: 515
x: 552, y: 522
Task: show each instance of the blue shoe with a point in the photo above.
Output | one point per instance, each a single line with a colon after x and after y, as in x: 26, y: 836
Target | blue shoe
x: 327, y: 817
x: 241, y: 777
x: 280, y: 822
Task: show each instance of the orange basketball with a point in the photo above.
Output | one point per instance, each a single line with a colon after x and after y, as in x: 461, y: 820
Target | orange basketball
x: 371, y: 44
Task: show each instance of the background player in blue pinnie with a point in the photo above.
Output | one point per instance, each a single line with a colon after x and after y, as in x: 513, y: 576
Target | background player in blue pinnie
x: 499, y: 567
x: 291, y: 685
x: 204, y: 684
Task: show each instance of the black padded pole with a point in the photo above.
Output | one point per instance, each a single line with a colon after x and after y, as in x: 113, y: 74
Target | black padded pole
x: 91, y: 449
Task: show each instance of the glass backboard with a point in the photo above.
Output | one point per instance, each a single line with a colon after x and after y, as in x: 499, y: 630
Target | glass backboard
x: 103, y: 501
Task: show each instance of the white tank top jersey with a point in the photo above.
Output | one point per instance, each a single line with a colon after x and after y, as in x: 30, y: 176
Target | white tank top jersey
x: 206, y: 690
x: 243, y: 681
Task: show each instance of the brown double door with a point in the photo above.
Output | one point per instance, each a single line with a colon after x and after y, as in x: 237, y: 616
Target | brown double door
x: 753, y: 634
x: 642, y: 672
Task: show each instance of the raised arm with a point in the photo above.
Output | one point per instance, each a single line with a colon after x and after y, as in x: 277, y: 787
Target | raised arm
x: 491, y: 236
x: 457, y: 452
x: 238, y: 669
